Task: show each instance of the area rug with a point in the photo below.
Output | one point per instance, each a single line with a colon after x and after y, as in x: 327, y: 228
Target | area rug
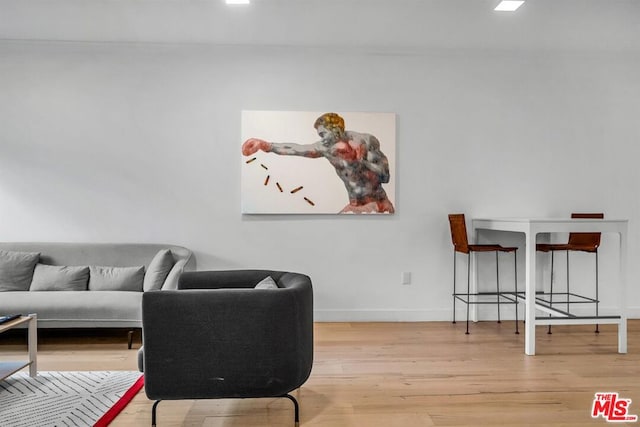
x: 63, y: 399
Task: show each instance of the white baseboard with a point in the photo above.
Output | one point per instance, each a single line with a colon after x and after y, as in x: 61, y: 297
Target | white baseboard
x: 633, y: 313
x: 381, y: 315
x: 442, y: 315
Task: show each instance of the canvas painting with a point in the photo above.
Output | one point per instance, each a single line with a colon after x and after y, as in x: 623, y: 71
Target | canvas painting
x: 300, y: 162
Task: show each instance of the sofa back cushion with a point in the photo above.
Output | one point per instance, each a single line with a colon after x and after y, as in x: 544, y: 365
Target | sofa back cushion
x: 116, y: 278
x: 16, y: 270
x: 59, y: 278
x: 115, y: 254
x: 108, y: 254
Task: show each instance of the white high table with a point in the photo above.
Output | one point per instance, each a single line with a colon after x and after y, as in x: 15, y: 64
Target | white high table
x: 532, y: 227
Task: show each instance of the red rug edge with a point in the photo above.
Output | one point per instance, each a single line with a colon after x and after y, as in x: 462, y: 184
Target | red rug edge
x: 113, y: 412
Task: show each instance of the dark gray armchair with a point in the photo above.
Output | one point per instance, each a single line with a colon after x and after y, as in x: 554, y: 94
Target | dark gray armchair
x: 217, y: 337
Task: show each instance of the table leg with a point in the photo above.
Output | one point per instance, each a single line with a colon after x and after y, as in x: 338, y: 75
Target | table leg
x: 622, y: 327
x: 473, y: 259
x: 33, y: 345
x: 530, y: 294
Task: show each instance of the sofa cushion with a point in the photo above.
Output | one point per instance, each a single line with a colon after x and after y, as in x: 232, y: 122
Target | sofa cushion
x: 16, y: 270
x: 267, y: 283
x: 72, y: 309
x: 116, y: 278
x: 158, y: 270
x: 59, y: 278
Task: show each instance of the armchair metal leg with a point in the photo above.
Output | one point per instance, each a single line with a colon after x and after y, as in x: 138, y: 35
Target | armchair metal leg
x: 130, y: 339
x: 296, y: 409
x: 153, y: 413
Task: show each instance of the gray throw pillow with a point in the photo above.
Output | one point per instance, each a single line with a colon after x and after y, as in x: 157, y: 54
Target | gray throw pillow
x: 116, y: 278
x: 171, y: 282
x: 267, y: 283
x: 16, y: 270
x: 158, y: 269
x: 59, y: 278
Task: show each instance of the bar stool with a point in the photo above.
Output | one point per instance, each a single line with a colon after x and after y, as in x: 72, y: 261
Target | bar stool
x: 583, y: 242
x: 461, y: 244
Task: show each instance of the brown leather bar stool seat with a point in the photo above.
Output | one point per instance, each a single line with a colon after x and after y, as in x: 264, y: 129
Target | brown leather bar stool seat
x: 461, y: 244
x: 578, y: 242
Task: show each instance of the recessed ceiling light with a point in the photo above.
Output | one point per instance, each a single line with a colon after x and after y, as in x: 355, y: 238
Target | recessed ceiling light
x: 508, y: 5
x: 238, y: 1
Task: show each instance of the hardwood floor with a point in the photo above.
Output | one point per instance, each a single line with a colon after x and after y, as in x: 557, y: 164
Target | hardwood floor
x: 398, y: 374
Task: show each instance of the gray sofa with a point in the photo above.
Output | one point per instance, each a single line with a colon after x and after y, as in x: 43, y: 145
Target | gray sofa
x: 97, y: 305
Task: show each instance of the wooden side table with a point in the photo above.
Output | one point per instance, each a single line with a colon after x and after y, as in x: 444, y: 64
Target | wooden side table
x: 9, y: 368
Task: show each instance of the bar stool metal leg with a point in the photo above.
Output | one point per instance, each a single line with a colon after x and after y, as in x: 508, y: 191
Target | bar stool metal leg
x: 515, y: 279
x: 498, y: 286
x: 597, y: 296
x: 468, y: 290
x: 454, y: 286
x: 551, y: 292
x: 568, y: 293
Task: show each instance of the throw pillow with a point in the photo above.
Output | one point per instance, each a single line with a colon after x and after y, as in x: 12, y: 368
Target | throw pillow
x: 171, y: 282
x: 116, y: 278
x: 59, y: 278
x: 267, y: 283
x: 16, y: 270
x: 158, y: 270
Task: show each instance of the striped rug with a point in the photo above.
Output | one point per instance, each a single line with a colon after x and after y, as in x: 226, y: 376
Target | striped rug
x: 60, y: 399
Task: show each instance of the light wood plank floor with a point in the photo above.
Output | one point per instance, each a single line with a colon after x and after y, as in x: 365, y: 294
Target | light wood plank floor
x: 398, y: 374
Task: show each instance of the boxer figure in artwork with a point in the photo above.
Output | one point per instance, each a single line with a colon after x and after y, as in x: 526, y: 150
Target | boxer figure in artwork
x: 356, y: 157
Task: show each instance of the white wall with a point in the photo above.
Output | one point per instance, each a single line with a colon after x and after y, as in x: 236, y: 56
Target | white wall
x: 141, y: 142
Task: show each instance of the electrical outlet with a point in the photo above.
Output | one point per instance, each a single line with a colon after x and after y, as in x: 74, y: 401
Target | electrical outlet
x: 405, y: 278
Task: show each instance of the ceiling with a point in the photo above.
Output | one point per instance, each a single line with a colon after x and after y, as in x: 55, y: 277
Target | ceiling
x: 391, y: 24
